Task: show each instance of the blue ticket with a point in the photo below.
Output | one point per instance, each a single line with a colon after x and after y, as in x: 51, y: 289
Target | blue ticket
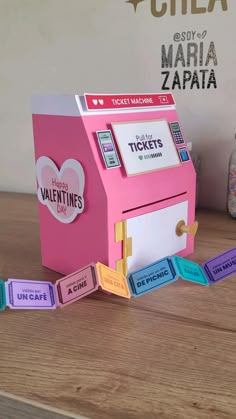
x: 152, y: 277
x: 190, y: 271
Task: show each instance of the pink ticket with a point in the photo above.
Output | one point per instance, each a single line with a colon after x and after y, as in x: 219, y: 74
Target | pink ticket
x: 76, y: 285
x: 22, y: 294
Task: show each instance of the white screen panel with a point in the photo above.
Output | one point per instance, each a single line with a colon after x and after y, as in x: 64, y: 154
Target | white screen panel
x: 154, y: 235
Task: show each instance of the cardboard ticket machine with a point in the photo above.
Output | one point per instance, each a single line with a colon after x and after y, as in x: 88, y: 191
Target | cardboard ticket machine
x: 115, y: 181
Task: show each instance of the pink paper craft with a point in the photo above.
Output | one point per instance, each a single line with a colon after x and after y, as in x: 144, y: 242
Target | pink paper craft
x: 151, y: 204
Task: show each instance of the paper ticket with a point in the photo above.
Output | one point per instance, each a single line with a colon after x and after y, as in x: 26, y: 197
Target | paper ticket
x: 76, y: 285
x: 190, y: 271
x: 221, y: 266
x: 34, y: 295
x: 152, y: 277
x: 2, y: 295
x: 112, y: 281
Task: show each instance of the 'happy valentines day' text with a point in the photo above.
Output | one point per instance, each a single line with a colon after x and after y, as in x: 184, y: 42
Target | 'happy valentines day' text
x: 61, y: 196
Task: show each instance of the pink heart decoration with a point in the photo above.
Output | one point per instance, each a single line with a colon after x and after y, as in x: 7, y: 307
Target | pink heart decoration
x: 61, y: 190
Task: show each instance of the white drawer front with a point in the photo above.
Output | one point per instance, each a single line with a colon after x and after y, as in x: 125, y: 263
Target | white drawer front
x: 154, y: 237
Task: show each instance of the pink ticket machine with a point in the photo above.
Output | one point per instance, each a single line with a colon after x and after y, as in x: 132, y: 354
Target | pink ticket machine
x: 115, y: 181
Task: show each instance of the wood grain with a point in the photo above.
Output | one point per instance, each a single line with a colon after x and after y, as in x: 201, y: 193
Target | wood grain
x: 170, y: 354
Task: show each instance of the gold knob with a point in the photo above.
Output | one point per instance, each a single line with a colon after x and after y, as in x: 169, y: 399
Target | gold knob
x: 182, y: 228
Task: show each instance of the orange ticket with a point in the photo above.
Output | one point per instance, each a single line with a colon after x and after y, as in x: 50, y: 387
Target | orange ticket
x: 112, y: 281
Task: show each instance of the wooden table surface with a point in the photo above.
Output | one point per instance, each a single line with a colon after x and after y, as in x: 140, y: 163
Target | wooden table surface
x: 170, y: 354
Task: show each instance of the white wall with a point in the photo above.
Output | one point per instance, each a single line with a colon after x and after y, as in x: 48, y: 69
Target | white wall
x: 77, y: 46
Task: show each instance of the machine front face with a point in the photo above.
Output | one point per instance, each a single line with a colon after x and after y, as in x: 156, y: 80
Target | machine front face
x: 149, y: 180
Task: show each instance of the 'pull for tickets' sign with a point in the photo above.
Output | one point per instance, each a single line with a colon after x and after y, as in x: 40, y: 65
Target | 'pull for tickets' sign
x: 146, y: 146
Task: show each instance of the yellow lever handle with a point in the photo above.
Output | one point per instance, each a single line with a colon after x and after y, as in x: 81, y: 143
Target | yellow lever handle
x: 182, y: 228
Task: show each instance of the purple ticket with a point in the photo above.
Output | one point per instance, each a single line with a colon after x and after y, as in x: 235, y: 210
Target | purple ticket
x: 221, y: 266
x: 30, y: 295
